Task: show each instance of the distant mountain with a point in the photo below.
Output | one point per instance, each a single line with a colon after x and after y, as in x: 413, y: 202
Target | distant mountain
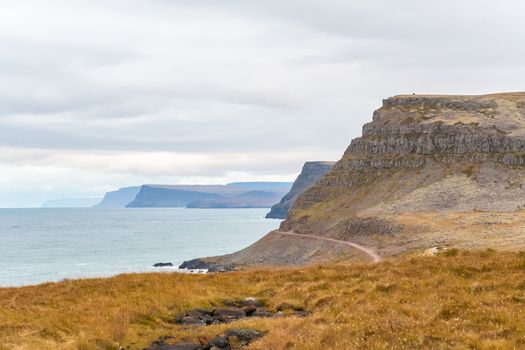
x: 161, y: 197
x: 119, y: 198
x: 310, y: 174
x: 71, y: 203
x: 234, y: 195
x: 250, y: 199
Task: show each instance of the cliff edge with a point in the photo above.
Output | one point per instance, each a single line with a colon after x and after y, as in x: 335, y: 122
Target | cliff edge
x: 310, y: 174
x: 423, y: 153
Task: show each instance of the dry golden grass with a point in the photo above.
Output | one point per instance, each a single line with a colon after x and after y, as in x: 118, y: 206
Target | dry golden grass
x: 464, y: 300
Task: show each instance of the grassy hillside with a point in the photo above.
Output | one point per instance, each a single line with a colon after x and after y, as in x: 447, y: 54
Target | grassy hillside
x: 465, y: 300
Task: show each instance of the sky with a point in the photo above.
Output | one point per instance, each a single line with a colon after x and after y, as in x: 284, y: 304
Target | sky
x: 96, y: 95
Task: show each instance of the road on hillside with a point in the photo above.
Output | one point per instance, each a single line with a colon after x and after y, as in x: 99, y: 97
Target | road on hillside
x: 371, y: 254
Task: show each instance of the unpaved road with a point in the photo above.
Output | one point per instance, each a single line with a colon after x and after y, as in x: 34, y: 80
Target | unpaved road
x: 373, y: 256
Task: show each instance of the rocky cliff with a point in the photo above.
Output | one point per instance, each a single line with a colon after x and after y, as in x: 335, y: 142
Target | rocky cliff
x: 119, y: 198
x: 422, y: 153
x: 310, y: 174
x: 428, y: 171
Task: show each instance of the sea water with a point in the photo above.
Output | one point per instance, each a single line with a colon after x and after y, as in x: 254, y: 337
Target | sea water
x: 42, y: 245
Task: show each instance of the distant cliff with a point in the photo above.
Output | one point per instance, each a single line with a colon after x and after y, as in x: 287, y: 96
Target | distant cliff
x: 119, y: 198
x: 161, y: 197
x: 310, y: 174
x: 234, y: 195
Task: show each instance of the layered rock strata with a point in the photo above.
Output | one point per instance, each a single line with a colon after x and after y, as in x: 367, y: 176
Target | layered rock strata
x: 423, y: 153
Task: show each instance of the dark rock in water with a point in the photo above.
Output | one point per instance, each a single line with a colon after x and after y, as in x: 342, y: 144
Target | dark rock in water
x: 244, y: 335
x: 162, y: 264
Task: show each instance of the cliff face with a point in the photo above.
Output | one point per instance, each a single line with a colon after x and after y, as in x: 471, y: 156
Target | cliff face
x: 422, y: 153
x: 158, y: 197
x: 119, y: 198
x: 310, y: 174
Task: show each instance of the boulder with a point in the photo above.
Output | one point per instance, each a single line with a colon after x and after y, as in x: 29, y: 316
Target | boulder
x: 220, y: 342
x: 244, y: 335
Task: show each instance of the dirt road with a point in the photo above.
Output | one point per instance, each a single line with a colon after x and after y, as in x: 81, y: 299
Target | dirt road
x: 373, y: 256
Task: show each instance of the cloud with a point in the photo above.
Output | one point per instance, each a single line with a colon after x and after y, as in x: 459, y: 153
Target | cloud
x: 126, y: 90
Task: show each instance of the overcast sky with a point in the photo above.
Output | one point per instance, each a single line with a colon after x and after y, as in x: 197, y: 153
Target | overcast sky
x: 96, y: 95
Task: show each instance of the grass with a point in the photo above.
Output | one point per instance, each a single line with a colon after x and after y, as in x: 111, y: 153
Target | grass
x: 459, y: 299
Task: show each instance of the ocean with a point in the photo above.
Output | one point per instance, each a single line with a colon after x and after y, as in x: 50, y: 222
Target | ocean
x: 43, y: 245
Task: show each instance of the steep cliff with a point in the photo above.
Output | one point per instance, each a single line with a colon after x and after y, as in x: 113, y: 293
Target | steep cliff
x: 427, y: 172
x: 422, y: 153
x: 310, y: 174
x: 119, y: 198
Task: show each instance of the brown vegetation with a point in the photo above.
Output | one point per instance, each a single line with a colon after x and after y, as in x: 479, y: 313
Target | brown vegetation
x: 457, y: 299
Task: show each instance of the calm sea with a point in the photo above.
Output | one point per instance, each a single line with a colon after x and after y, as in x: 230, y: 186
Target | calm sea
x: 40, y: 245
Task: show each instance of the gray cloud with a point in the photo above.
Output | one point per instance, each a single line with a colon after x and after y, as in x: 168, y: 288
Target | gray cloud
x: 249, y: 78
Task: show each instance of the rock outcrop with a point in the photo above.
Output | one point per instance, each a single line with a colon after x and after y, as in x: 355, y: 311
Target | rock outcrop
x: 310, y: 174
x: 234, y: 338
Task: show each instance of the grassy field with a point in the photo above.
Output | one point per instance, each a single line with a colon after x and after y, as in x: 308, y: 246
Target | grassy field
x: 463, y: 300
